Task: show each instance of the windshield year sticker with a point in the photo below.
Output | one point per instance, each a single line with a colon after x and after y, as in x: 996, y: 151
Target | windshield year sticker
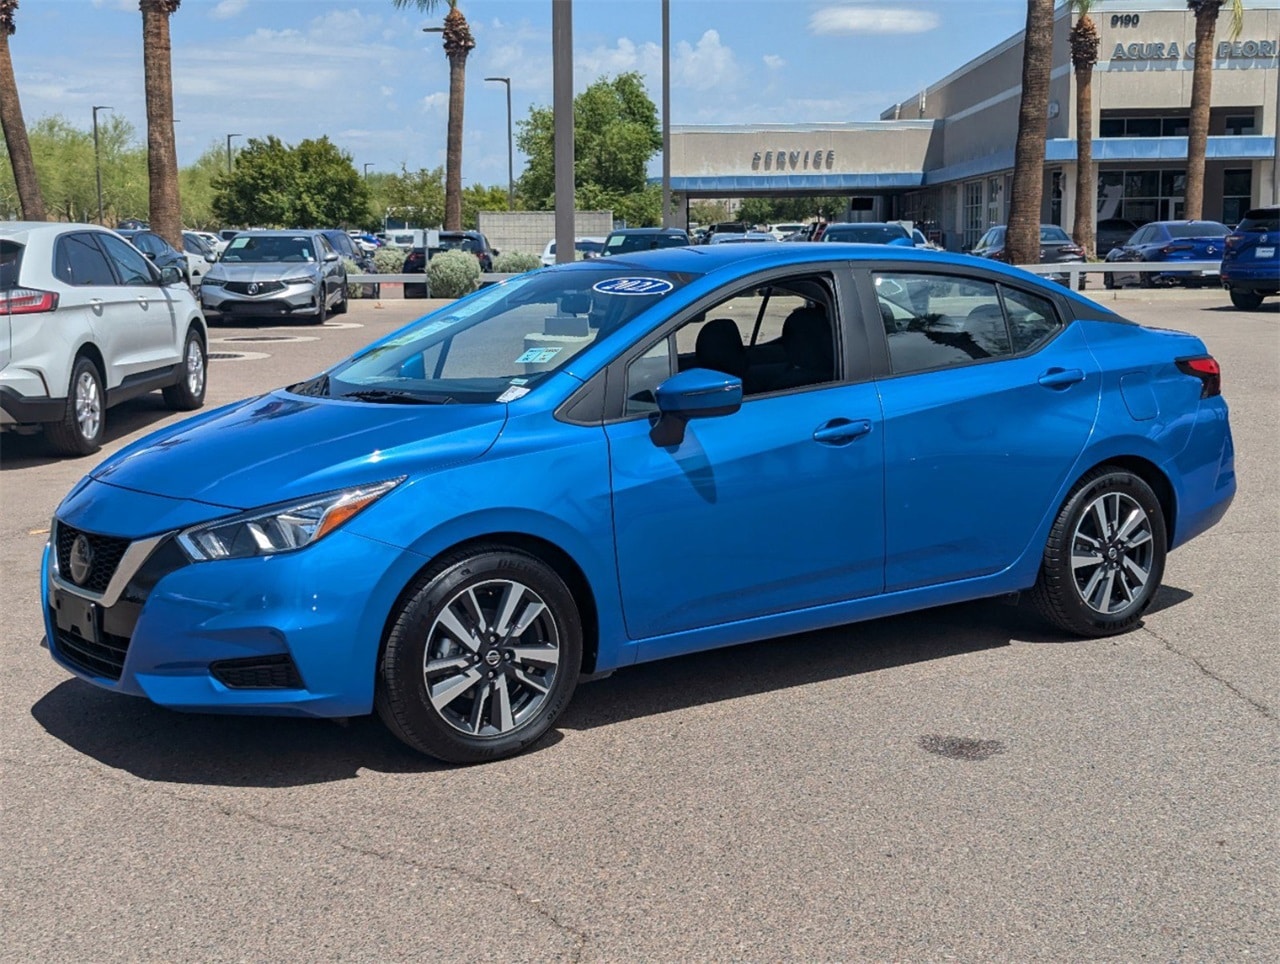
x: 538, y: 356
x: 633, y: 286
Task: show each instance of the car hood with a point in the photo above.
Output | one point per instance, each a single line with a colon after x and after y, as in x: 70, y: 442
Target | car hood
x: 281, y: 446
x: 271, y: 271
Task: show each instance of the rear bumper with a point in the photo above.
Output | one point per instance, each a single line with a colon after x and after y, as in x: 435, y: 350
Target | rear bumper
x: 16, y: 409
x: 1264, y: 279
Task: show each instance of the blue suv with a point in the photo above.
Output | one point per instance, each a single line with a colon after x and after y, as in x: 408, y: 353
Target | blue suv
x: 1251, y: 262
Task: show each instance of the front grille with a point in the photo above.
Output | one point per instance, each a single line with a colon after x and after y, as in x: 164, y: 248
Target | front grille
x: 106, y: 550
x: 257, y: 673
x: 260, y: 287
x: 104, y: 658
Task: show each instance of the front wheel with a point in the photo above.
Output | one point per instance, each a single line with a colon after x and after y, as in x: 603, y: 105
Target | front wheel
x: 1105, y: 556
x: 1246, y: 300
x: 322, y: 307
x: 482, y: 656
x: 187, y: 393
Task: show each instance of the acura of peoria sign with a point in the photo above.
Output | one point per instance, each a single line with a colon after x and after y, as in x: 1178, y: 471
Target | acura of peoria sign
x: 1227, y: 50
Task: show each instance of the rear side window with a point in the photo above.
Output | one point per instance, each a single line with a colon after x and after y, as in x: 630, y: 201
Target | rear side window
x: 79, y: 261
x: 10, y: 264
x: 1261, y: 220
x: 133, y: 268
x: 933, y: 322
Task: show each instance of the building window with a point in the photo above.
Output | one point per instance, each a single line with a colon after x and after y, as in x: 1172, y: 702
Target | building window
x: 1141, y: 196
x: 974, y: 224
x: 994, y: 215
x: 1112, y: 126
x: 1240, y: 124
x: 1237, y: 189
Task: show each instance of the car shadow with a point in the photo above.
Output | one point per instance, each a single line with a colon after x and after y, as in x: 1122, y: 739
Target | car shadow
x: 1266, y: 308
x: 159, y: 745
x: 30, y: 451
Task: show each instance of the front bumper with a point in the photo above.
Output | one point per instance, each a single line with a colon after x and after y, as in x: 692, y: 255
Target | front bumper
x: 297, y: 299
x: 294, y: 634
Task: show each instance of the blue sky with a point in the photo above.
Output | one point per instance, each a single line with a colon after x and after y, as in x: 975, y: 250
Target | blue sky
x: 364, y: 74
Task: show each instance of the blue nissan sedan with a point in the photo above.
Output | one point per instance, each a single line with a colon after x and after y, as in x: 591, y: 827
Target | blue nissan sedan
x: 616, y: 461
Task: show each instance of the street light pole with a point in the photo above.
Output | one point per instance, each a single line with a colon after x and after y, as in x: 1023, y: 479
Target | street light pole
x: 511, y: 167
x: 562, y: 110
x: 97, y: 159
x: 666, y: 113
x: 229, y: 136
x: 367, y: 165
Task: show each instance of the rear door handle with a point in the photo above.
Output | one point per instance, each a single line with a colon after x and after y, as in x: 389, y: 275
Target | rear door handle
x: 841, y: 431
x: 1061, y: 377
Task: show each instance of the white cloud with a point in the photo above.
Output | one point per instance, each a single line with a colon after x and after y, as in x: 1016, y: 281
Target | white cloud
x: 853, y: 20
x: 774, y: 62
x: 707, y: 65
x: 435, y: 103
x: 228, y: 8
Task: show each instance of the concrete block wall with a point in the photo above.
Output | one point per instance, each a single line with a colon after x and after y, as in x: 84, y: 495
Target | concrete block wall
x: 529, y: 231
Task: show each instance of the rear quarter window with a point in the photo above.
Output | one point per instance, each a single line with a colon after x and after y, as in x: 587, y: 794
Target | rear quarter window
x: 10, y: 263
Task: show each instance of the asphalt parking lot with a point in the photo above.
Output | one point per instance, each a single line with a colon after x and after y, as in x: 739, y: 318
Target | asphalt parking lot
x: 956, y: 784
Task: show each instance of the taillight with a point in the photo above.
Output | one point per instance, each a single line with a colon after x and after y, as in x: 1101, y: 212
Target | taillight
x: 1170, y: 248
x: 26, y: 301
x: 1233, y: 240
x: 1205, y: 368
x: 1072, y: 249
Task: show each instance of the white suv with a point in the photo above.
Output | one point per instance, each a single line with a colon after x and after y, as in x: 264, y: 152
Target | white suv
x: 86, y: 322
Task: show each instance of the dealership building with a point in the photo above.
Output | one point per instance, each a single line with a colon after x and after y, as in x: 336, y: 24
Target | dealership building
x: 944, y: 158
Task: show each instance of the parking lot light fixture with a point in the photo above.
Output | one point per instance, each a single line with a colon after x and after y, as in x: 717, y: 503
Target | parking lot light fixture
x: 229, y: 136
x: 511, y: 169
x: 97, y: 159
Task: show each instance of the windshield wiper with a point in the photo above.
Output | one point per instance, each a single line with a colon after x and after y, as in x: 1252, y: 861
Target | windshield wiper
x: 396, y: 397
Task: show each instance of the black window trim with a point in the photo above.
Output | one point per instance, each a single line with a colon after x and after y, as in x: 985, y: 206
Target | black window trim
x: 865, y: 272
x: 608, y: 385
x: 156, y: 280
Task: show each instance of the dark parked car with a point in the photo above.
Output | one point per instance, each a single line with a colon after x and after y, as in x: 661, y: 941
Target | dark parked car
x: 869, y: 233
x: 472, y: 242
x: 1056, y: 247
x: 625, y: 240
x: 1251, y: 263
x: 347, y: 248
x: 158, y: 250
x: 1113, y: 233
x: 1170, y: 241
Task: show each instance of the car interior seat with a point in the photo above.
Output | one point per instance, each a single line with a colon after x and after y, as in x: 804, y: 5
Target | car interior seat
x: 719, y: 347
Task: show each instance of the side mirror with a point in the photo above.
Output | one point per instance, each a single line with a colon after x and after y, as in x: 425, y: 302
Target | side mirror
x: 150, y: 254
x: 696, y: 393
x: 332, y: 256
x: 170, y: 275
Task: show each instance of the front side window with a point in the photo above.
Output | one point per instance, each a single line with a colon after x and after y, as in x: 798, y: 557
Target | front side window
x: 79, y: 261
x: 130, y: 265
x: 499, y: 343
x: 778, y: 337
x: 935, y: 321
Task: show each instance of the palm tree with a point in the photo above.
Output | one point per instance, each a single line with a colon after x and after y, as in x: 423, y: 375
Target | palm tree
x: 1022, y: 239
x: 1206, y: 12
x: 162, y: 156
x: 15, y: 130
x: 458, y: 42
x: 1084, y: 54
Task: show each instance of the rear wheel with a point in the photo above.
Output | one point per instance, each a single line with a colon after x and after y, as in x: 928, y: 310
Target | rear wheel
x: 482, y: 657
x: 187, y: 393
x: 1246, y: 300
x: 1105, y: 556
x: 81, y: 428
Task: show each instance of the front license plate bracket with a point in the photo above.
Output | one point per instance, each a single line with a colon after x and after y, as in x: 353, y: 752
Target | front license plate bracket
x: 74, y: 614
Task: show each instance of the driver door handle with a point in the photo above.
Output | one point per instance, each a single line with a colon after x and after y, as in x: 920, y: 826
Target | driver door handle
x: 841, y: 431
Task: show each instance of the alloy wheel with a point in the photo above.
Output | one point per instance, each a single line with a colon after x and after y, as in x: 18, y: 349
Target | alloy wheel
x: 491, y: 658
x: 1112, y: 552
x: 195, y: 368
x: 88, y: 405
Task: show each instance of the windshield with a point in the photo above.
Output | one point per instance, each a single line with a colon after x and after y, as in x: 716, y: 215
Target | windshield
x: 251, y: 249
x: 458, y: 244
x: 865, y: 233
x: 621, y: 243
x: 1261, y: 220
x: 499, y: 343
x: 1198, y: 229
x: 1051, y: 232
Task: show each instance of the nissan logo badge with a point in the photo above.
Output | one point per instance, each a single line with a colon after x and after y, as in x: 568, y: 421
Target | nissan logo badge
x: 81, y: 560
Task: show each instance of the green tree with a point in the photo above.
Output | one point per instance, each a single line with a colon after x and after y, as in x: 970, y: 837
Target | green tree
x: 17, y: 147
x: 616, y: 132
x: 309, y: 186
x: 416, y: 197
x: 477, y: 198
x: 1206, y: 12
x: 198, y: 191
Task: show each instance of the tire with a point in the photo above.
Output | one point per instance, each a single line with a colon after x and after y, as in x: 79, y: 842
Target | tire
x: 474, y: 722
x: 1109, y: 281
x: 187, y: 393
x: 1145, y: 280
x: 1107, y: 597
x: 80, y: 431
x: 1246, y: 300
x: 322, y: 308
x: 341, y: 307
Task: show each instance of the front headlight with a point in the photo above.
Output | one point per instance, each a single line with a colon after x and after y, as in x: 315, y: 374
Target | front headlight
x: 281, y: 528
x: 213, y: 282
x: 305, y: 279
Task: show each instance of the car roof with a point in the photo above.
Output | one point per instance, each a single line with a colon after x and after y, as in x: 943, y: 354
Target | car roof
x: 647, y: 231
x: 279, y: 233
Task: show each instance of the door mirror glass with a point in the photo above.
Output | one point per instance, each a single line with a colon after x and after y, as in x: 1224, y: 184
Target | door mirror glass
x: 331, y: 256
x: 170, y: 275
x: 696, y: 393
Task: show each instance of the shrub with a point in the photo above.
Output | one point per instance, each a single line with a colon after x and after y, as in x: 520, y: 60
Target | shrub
x: 517, y: 262
x: 389, y: 260
x: 354, y: 290
x: 452, y: 274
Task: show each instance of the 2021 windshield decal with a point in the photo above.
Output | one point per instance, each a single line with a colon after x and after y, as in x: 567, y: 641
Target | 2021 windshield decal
x: 633, y: 286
